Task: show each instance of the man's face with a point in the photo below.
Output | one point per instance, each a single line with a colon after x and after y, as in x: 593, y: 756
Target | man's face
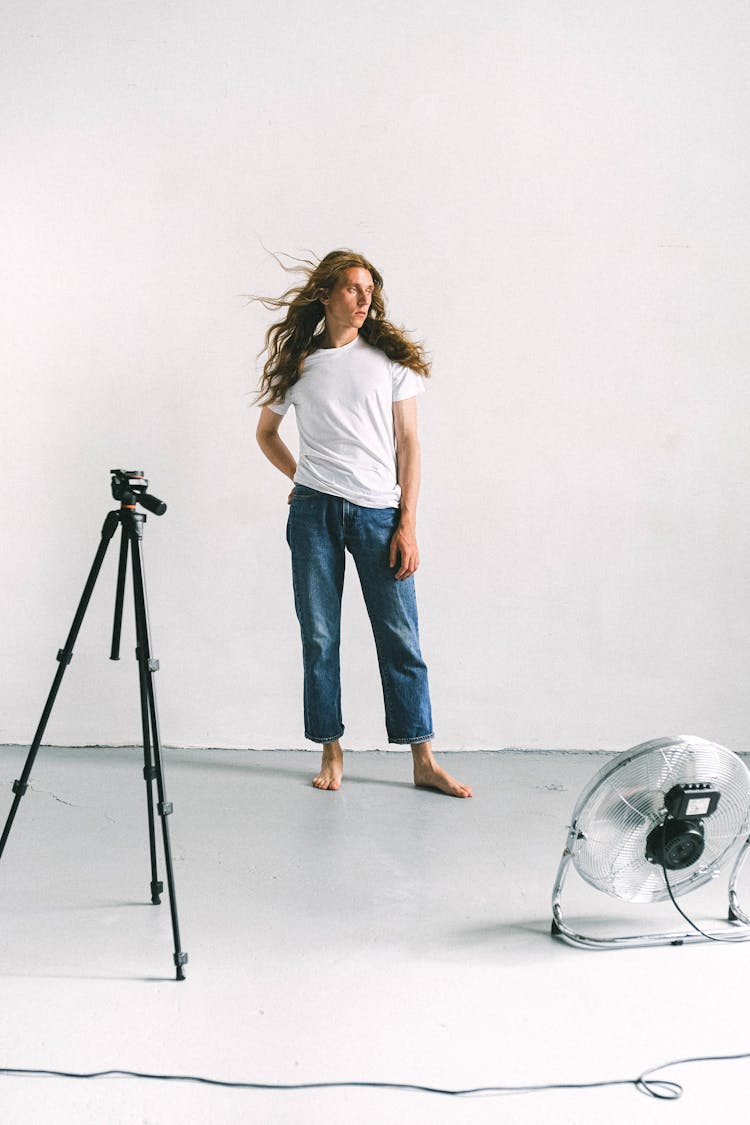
x: 348, y: 303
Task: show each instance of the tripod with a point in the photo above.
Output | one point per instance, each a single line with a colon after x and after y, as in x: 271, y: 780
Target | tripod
x: 130, y: 489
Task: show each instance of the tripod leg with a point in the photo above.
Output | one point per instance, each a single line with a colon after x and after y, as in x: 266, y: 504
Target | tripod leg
x: 64, y: 657
x: 149, y: 773
x: 147, y: 667
x: 119, y: 596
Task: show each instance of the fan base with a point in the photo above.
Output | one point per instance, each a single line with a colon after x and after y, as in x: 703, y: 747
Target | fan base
x: 737, y: 928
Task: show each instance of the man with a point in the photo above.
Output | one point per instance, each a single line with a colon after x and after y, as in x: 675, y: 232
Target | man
x: 353, y: 378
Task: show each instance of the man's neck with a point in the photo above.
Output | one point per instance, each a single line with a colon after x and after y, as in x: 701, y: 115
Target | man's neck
x: 338, y: 339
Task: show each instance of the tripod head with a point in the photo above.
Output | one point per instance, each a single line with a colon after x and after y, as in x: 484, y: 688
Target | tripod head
x: 129, y: 487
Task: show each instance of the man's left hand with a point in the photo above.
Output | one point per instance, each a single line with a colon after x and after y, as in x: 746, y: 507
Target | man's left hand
x: 404, y: 548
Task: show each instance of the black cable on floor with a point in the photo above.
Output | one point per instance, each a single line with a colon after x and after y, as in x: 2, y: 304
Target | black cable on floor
x: 406, y: 1086
x: 660, y: 1088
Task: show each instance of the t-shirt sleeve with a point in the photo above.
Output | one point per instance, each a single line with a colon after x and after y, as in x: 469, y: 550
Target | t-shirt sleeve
x: 279, y: 407
x: 406, y: 383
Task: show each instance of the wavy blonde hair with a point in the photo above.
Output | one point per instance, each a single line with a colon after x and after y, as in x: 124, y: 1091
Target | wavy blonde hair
x: 301, y: 331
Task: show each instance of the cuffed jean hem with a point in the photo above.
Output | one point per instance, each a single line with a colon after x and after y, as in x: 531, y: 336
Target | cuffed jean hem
x: 411, y: 741
x: 333, y: 738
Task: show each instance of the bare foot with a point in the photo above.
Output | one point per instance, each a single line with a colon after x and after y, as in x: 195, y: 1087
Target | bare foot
x: 429, y: 775
x: 331, y: 768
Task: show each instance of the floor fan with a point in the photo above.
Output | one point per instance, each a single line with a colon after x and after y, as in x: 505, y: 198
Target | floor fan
x: 667, y: 816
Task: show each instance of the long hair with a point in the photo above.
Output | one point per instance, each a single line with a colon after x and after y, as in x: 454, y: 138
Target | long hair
x: 300, y: 333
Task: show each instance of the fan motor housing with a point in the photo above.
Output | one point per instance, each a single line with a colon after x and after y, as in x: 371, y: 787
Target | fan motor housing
x: 678, y: 841
x: 676, y: 844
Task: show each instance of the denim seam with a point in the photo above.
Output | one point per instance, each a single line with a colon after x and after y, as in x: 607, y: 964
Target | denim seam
x: 382, y: 662
x: 294, y: 588
x: 383, y: 666
x: 385, y: 678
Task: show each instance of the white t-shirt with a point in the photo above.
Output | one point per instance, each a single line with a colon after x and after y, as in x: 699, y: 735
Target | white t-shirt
x: 343, y: 405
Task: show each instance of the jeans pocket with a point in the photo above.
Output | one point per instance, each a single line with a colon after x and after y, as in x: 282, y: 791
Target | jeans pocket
x: 302, y: 492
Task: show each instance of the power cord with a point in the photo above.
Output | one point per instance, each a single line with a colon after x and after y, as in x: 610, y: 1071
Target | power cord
x: 690, y: 922
x: 709, y: 937
x: 660, y: 1088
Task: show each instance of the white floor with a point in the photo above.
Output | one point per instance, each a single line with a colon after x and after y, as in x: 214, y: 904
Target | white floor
x: 380, y: 933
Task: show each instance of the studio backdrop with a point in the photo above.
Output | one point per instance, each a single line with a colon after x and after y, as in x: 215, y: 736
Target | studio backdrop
x: 556, y: 195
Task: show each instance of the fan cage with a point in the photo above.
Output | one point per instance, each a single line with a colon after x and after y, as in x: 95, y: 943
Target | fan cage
x: 625, y: 801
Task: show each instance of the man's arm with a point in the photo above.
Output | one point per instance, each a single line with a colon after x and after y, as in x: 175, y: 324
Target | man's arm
x: 267, y: 435
x: 404, y: 542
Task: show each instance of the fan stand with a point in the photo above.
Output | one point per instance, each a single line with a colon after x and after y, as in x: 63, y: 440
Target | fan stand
x: 560, y: 928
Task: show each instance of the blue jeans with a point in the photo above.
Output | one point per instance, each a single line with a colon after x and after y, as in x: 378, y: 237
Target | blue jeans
x: 321, y: 528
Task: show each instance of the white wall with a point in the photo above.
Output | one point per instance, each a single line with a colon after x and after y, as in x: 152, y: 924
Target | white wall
x: 557, y: 197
